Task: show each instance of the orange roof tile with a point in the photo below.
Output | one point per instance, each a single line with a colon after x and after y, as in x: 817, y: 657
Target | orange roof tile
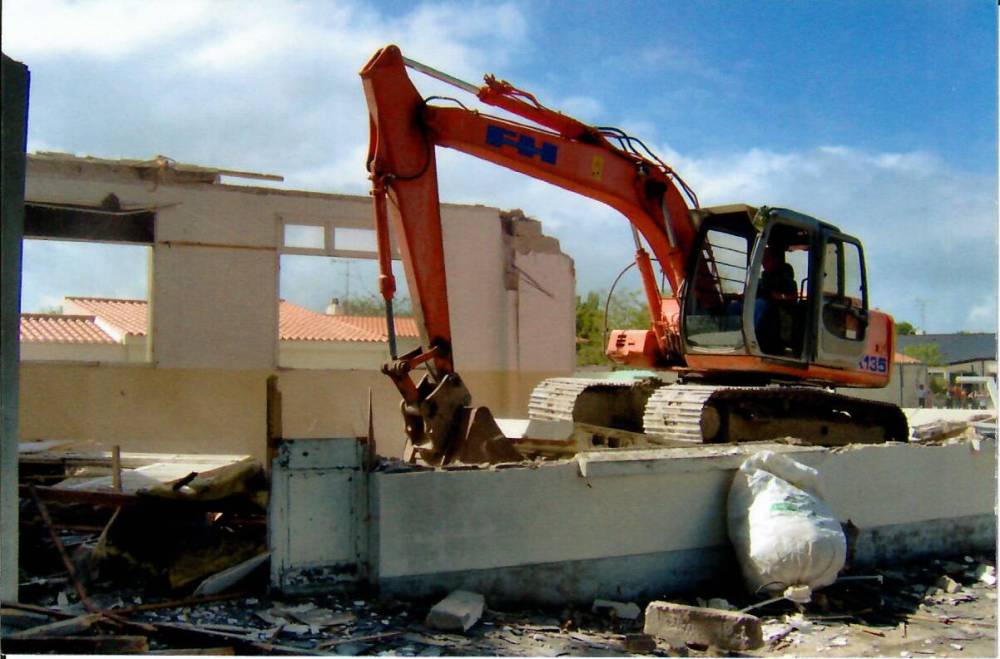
x: 297, y: 323
x: 127, y: 315
x: 59, y: 328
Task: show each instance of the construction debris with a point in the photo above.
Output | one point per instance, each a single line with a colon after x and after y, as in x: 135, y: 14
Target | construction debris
x: 457, y: 612
x: 865, y: 613
x: 639, y: 643
x: 223, y: 581
x: 727, y: 630
x: 80, y: 610
x: 629, y: 611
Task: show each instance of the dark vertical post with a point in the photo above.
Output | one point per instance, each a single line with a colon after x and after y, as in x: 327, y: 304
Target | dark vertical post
x: 14, y: 128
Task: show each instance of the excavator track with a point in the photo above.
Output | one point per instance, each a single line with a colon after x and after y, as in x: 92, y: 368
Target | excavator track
x: 606, y: 403
x: 700, y: 414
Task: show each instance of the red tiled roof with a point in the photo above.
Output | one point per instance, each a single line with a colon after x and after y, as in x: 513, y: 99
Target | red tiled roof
x: 127, y: 315
x: 297, y: 323
x: 59, y: 328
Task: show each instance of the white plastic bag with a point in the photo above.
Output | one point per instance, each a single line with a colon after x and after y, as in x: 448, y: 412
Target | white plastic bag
x: 785, y: 536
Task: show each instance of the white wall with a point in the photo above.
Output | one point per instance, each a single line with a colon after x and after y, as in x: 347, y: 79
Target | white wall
x: 214, y: 301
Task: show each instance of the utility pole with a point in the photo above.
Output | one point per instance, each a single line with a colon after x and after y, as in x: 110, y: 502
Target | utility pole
x: 922, y: 304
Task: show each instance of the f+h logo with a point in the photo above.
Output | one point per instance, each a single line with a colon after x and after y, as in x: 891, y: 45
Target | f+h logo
x: 525, y: 144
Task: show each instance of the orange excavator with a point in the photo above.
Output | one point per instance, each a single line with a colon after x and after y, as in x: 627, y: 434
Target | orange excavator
x: 767, y: 308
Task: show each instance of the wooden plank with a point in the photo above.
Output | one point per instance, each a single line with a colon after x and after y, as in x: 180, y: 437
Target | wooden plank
x: 69, y: 627
x: 243, y: 642
x: 77, y: 645
x: 34, y: 608
x: 223, y: 650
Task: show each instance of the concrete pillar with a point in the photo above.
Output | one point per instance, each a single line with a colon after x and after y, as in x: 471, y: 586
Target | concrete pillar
x: 14, y: 128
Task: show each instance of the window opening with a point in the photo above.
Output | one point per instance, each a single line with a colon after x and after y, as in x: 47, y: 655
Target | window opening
x: 844, y: 302
x: 84, y: 301
x: 715, y: 295
x: 331, y: 315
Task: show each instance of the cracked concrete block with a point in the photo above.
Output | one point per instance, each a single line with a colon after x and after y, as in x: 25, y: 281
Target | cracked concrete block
x: 729, y: 630
x: 457, y: 612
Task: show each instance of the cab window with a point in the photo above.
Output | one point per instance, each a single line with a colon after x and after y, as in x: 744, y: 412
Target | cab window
x: 715, y: 295
x: 844, y: 299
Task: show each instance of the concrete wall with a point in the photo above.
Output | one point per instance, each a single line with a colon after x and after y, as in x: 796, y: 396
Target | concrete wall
x: 14, y: 106
x: 113, y: 353
x: 339, y: 354
x: 143, y: 408
x: 653, y: 522
x: 213, y: 314
x: 616, y: 524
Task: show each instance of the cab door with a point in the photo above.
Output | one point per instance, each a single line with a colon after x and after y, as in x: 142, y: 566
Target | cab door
x: 842, y: 303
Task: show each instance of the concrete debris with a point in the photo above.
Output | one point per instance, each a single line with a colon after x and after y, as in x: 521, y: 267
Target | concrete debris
x: 457, y: 612
x: 948, y: 585
x: 222, y: 581
x: 639, y: 643
x: 720, y: 603
x: 987, y: 574
x: 724, y: 629
x: 621, y: 610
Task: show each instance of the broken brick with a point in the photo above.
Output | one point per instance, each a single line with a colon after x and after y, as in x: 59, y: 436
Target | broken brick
x: 729, y: 630
x: 457, y: 612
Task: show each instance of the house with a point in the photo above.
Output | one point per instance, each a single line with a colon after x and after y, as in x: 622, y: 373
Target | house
x: 961, y: 354
x: 113, y: 330
x: 224, y: 367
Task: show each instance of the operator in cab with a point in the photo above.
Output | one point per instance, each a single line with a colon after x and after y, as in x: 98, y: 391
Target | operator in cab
x: 777, y: 288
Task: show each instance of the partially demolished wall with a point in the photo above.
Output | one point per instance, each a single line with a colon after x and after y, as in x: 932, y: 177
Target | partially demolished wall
x: 620, y: 524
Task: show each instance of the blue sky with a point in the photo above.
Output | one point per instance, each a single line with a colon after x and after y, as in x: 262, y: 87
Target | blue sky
x: 880, y: 117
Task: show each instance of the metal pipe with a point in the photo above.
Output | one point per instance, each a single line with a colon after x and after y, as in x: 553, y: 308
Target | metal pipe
x: 443, y: 77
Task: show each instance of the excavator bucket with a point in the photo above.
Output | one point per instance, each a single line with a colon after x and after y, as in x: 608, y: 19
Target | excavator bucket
x: 443, y: 429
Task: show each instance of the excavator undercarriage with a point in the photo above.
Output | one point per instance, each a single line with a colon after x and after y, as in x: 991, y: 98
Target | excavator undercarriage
x: 676, y: 414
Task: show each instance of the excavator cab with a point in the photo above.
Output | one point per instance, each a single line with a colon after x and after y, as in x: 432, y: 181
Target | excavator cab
x: 778, y: 285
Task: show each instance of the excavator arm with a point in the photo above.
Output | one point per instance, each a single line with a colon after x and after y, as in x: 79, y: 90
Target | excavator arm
x: 404, y: 131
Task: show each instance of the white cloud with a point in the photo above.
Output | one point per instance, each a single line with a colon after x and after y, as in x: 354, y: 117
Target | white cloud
x: 101, y: 28
x: 273, y: 87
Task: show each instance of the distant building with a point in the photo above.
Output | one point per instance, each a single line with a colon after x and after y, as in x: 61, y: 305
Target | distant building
x: 961, y: 354
x: 92, y: 329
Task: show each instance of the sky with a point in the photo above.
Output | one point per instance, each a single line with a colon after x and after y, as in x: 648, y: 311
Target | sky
x: 878, y: 117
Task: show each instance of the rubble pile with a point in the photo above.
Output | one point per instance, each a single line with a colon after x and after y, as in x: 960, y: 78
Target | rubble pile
x: 945, y: 608
x: 160, y: 561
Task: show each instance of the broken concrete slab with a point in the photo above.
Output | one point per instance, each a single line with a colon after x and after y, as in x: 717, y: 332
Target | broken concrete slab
x: 623, y: 610
x: 457, y: 612
x: 987, y: 574
x: 221, y: 581
x: 728, y: 630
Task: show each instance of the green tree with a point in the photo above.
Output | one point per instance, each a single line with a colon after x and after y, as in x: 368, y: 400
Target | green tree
x: 626, y: 310
x: 373, y: 305
x: 589, y: 330
x: 928, y: 353
x: 904, y: 328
